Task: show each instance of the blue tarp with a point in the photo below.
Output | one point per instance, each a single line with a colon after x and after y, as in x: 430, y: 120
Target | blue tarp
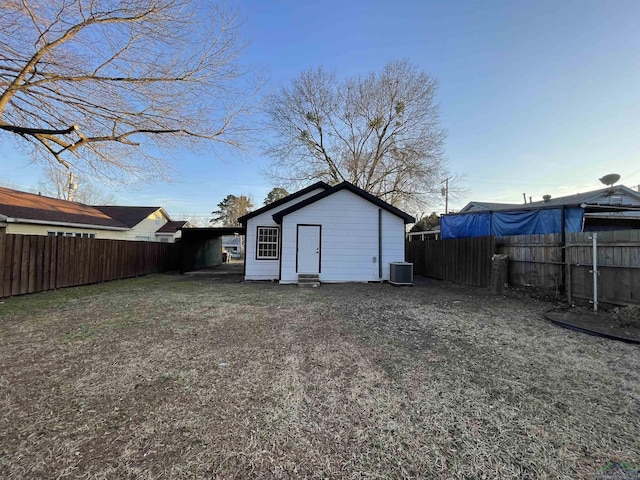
x: 526, y: 222
x: 466, y: 225
x: 518, y: 222
x: 573, y: 219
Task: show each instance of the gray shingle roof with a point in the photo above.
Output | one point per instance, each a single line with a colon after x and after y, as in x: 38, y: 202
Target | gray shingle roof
x: 594, y: 197
x: 129, y: 216
x: 172, y: 226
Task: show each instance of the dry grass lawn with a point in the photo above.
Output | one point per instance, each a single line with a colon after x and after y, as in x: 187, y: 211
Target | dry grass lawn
x: 193, y: 377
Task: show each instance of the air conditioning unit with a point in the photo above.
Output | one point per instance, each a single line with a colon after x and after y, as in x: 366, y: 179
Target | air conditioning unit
x: 401, y: 273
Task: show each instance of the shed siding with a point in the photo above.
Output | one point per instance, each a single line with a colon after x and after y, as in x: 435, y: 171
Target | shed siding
x: 265, y: 269
x: 349, y: 239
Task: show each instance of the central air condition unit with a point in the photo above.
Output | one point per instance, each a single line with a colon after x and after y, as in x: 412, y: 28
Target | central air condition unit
x: 401, y: 273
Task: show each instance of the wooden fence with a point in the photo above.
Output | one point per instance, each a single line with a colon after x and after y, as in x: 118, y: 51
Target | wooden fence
x: 618, y: 266
x: 464, y: 260
x: 534, y: 259
x: 35, y: 263
x: 540, y: 261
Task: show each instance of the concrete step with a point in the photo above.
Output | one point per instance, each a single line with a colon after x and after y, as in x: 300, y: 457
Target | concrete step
x: 308, y: 280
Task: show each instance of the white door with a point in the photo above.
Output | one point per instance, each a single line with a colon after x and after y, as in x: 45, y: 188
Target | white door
x: 308, y: 260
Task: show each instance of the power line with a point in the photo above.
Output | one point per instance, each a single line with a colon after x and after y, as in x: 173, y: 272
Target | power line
x: 629, y: 174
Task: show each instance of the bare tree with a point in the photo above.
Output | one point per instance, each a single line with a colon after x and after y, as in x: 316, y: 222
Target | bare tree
x: 380, y: 132
x: 60, y: 183
x: 100, y: 85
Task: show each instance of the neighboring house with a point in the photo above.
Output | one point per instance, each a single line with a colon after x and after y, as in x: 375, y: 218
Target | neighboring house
x: 432, y: 234
x: 171, y: 231
x: 31, y: 214
x: 610, y: 208
x: 234, y: 245
x: 340, y: 233
x: 142, y: 222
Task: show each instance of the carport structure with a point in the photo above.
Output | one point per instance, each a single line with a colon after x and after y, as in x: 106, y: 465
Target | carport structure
x: 202, y: 247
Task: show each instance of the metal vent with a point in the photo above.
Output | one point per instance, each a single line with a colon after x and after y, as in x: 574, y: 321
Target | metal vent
x: 401, y: 273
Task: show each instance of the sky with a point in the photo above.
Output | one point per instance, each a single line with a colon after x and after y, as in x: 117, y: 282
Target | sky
x: 537, y: 97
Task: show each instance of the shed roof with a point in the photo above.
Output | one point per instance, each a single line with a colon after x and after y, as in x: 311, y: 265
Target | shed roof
x: 353, y: 189
x: 31, y: 208
x: 283, y: 200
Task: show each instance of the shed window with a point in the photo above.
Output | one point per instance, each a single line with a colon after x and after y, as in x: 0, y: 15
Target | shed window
x: 267, y: 243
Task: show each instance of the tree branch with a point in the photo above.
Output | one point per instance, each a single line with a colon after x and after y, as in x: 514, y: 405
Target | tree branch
x: 122, y: 71
x: 35, y: 131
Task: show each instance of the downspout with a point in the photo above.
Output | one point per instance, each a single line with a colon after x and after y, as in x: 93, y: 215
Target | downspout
x: 243, y: 248
x: 595, y: 271
x: 280, y: 251
x: 563, y: 251
x: 380, y: 243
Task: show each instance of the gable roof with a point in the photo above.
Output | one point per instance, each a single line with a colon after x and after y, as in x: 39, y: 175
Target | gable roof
x: 277, y: 217
x: 17, y: 206
x: 277, y: 203
x: 593, y: 197
x: 128, y: 216
x: 172, y: 227
x: 488, y: 206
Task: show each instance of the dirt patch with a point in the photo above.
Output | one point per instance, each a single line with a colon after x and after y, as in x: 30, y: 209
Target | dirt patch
x: 610, y: 321
x: 196, y: 377
x: 611, y: 324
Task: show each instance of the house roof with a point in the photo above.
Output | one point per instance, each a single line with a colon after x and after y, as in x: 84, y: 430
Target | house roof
x: 31, y: 208
x: 288, y: 198
x: 488, y: 206
x: 127, y: 215
x: 593, y: 197
x: 353, y: 189
x: 172, y: 226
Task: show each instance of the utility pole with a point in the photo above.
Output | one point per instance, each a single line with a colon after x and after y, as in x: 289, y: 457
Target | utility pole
x: 445, y: 194
x: 72, y: 187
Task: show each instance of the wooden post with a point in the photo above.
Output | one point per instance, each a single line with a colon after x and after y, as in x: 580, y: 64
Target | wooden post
x: 499, y: 276
x: 569, y: 286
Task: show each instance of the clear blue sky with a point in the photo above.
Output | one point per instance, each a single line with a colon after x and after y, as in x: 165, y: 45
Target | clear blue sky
x: 537, y: 96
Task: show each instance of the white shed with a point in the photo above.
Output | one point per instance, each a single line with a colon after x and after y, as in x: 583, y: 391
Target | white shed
x: 340, y: 234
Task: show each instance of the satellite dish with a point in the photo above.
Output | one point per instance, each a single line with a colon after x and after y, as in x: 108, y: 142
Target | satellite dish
x: 610, y: 179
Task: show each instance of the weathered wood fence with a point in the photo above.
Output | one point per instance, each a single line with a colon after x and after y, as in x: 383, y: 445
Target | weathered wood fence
x: 534, y: 259
x: 464, y: 260
x: 618, y: 266
x: 541, y: 261
x: 35, y: 263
